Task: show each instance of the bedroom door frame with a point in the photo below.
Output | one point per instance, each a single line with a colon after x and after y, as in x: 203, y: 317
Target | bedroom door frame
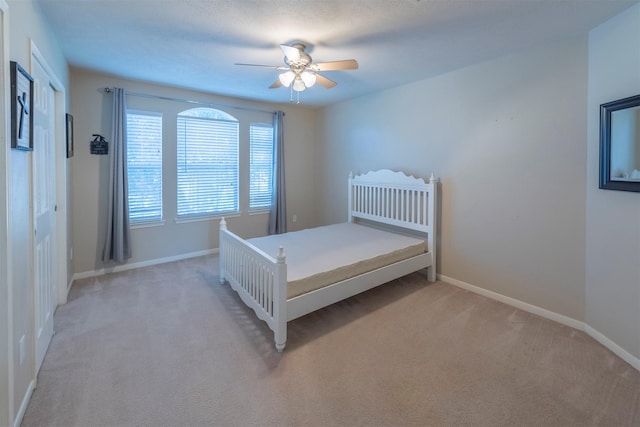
x: 60, y: 105
x: 58, y: 177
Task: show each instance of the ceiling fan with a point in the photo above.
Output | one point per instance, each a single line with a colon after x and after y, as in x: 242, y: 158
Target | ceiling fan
x: 300, y: 72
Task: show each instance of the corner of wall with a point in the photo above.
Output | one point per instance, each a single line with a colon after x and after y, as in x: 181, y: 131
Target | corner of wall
x: 612, y: 249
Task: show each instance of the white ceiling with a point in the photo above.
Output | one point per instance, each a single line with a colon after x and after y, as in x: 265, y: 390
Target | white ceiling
x: 195, y: 43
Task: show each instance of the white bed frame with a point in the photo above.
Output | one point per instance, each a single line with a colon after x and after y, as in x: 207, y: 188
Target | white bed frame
x: 384, y: 197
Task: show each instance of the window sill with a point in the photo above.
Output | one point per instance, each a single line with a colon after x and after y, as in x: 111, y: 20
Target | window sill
x: 205, y: 218
x: 147, y: 224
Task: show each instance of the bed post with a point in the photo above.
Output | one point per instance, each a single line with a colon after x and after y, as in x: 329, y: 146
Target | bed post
x: 280, y: 302
x: 350, y: 196
x: 431, y: 239
x: 223, y: 228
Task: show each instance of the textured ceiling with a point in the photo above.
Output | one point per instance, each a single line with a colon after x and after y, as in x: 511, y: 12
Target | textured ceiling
x: 195, y: 43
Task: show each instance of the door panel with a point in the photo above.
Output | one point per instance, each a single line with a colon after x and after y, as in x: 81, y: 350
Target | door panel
x: 44, y: 211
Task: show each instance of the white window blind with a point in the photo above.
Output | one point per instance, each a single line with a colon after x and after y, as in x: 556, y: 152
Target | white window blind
x: 260, y: 166
x: 144, y: 166
x: 207, y: 163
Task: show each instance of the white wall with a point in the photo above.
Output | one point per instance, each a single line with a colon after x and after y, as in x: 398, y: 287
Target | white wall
x: 5, y: 316
x: 26, y: 25
x: 613, y: 217
x: 91, y: 108
x: 507, y: 139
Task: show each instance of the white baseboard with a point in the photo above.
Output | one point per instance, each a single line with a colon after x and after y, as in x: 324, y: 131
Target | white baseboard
x: 515, y: 303
x: 132, y: 266
x: 23, y: 406
x: 547, y: 314
x: 615, y: 348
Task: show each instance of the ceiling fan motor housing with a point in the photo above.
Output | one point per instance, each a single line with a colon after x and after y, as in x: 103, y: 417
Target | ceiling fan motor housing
x: 304, y: 59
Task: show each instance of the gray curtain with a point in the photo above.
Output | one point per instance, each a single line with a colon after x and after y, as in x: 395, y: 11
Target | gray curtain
x: 278, y: 215
x: 118, y: 244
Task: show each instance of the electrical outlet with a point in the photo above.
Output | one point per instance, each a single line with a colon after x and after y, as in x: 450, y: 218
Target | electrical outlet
x: 21, y: 350
x: 295, y: 218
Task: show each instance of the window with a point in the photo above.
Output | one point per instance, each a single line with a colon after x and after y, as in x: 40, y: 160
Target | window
x: 144, y: 166
x: 207, y: 163
x: 260, y: 166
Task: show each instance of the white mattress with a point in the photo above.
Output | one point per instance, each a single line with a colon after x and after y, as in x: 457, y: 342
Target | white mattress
x: 321, y: 256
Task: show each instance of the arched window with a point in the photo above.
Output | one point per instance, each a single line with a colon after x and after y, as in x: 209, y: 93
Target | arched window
x: 207, y: 162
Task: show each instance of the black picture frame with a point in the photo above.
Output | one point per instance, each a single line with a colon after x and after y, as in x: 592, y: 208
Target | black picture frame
x: 21, y: 108
x: 69, y: 123
x: 607, y: 144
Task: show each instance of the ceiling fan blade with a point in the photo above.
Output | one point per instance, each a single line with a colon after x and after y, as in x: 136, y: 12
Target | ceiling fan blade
x: 276, y: 67
x: 325, y: 81
x: 347, y: 64
x: 276, y: 84
x: 292, y: 53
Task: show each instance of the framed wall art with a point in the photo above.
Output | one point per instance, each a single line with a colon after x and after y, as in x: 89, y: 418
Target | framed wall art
x: 620, y: 145
x: 69, y: 135
x: 21, y: 108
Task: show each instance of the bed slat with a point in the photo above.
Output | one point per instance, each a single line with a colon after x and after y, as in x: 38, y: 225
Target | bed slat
x: 255, y: 276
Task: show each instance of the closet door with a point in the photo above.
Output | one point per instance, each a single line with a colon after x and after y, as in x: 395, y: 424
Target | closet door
x: 44, y: 206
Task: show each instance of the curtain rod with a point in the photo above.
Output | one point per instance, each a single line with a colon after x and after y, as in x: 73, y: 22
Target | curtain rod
x: 189, y: 101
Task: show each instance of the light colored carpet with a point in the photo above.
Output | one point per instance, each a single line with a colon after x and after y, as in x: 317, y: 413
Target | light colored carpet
x: 169, y: 346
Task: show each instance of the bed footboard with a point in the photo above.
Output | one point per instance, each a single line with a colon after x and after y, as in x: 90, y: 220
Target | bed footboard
x: 258, y: 278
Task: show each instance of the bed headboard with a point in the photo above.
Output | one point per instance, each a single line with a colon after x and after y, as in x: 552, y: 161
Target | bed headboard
x: 396, y: 199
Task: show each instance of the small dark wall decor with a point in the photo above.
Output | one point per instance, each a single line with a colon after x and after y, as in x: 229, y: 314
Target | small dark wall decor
x: 620, y: 144
x: 69, y: 135
x: 99, y: 145
x: 21, y: 108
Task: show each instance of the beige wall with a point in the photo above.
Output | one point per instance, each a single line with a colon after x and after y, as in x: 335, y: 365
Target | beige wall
x: 91, y: 108
x: 613, y: 217
x: 507, y: 140
x: 26, y: 26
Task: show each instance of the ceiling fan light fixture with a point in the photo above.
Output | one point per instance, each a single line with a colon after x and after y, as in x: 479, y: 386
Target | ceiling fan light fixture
x: 298, y: 84
x: 286, y: 78
x: 300, y: 72
x: 308, y: 78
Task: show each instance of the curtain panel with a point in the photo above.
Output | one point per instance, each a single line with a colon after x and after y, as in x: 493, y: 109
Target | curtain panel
x: 278, y: 214
x: 118, y: 239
